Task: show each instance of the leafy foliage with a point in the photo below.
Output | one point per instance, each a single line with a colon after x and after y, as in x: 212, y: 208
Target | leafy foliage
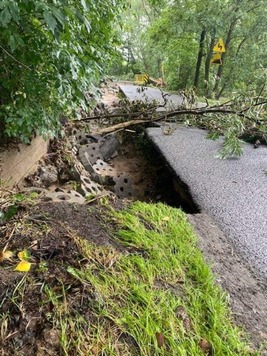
x: 171, y: 35
x: 51, y: 52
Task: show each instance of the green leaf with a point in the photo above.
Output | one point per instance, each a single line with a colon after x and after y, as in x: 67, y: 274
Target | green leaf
x: 50, y: 20
x: 84, y: 5
x: 59, y: 16
x: 11, y: 211
x: 87, y: 25
x: 12, y: 43
x: 5, y: 17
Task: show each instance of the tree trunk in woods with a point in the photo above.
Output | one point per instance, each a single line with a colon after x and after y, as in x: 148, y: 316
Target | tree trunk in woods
x: 207, y: 68
x: 199, y: 57
x: 219, y: 94
x: 220, y: 68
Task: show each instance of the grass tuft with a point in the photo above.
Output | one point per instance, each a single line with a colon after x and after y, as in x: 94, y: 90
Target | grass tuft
x: 159, y: 297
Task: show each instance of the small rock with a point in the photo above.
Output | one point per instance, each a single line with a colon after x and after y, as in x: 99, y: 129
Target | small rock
x: 48, y: 175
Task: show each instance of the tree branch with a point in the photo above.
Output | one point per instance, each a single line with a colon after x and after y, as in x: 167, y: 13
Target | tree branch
x: 10, y: 55
x: 196, y: 111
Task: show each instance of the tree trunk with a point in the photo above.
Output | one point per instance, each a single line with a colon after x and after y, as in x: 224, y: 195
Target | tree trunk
x: 220, y: 69
x: 219, y: 94
x: 207, y: 68
x: 199, y: 57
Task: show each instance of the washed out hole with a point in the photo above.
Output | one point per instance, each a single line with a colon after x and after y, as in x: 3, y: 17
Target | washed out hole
x: 152, y: 178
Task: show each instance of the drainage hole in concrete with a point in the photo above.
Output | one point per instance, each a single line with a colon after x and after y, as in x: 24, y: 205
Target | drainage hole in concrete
x: 63, y: 197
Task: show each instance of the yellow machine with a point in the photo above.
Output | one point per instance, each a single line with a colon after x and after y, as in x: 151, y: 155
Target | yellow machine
x: 144, y: 79
x: 141, y: 79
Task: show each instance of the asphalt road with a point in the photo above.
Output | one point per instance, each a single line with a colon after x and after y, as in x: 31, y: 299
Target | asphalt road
x: 232, y: 191
x: 135, y: 92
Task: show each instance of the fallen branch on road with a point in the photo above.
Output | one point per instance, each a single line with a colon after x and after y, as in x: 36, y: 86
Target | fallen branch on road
x: 158, y: 116
x: 235, y: 120
x: 122, y: 125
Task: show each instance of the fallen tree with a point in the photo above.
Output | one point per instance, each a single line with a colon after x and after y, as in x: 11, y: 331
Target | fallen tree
x: 238, y: 119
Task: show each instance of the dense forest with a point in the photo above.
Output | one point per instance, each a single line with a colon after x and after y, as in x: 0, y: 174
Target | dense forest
x: 176, y: 39
x: 52, y: 52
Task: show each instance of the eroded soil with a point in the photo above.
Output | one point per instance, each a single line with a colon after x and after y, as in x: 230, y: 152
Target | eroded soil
x: 48, y: 230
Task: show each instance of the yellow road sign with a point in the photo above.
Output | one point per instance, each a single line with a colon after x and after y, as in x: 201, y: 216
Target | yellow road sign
x: 219, y: 47
x: 216, y: 58
x: 141, y: 79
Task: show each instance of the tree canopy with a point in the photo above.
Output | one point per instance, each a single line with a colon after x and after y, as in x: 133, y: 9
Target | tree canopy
x: 51, y: 52
x: 179, y: 36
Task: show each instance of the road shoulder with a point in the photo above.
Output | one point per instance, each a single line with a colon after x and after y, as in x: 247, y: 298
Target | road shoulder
x: 247, y: 292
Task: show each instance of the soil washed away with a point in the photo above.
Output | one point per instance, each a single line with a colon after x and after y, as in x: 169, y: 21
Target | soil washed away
x: 150, y: 176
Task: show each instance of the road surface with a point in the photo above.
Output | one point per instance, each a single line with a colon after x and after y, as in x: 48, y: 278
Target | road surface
x: 232, y: 191
x: 147, y: 94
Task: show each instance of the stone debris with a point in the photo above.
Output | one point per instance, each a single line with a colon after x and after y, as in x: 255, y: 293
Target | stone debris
x: 48, y: 175
x: 108, y: 147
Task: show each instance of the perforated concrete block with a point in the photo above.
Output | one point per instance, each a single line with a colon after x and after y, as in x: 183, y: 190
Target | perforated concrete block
x: 123, y: 186
x: 103, y: 168
x: 92, y: 152
x: 71, y: 196
x: 90, y: 187
x: 83, y: 138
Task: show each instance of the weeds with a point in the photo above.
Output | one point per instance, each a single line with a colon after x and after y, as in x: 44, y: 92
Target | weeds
x: 139, y: 291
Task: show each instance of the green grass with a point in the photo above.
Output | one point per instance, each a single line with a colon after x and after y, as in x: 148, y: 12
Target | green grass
x: 160, y: 286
